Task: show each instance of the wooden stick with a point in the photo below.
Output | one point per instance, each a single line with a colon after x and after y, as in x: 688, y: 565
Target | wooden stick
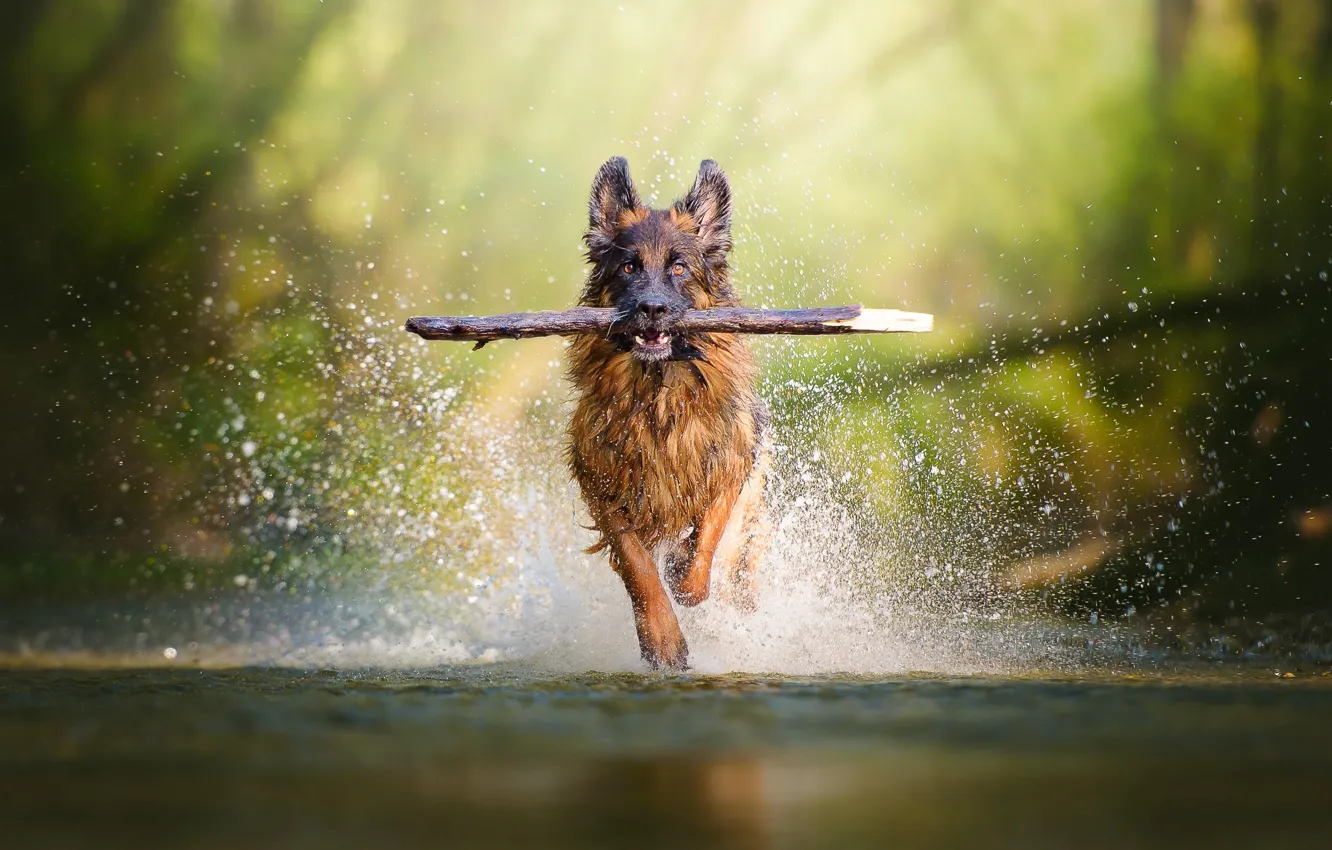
x: 740, y: 320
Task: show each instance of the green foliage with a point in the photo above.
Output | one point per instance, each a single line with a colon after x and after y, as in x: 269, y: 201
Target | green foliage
x: 219, y: 214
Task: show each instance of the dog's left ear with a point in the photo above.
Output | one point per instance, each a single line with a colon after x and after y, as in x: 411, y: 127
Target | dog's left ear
x: 709, y: 203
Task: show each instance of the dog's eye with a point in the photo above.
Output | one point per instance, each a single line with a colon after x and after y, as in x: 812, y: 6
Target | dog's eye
x: 678, y: 269
x: 630, y: 268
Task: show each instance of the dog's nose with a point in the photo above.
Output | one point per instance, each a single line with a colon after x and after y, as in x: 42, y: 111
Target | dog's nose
x: 652, y: 308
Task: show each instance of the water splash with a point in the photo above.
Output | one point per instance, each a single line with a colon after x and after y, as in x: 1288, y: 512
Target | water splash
x: 504, y: 578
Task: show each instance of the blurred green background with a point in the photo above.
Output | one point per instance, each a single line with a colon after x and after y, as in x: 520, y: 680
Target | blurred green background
x: 219, y: 213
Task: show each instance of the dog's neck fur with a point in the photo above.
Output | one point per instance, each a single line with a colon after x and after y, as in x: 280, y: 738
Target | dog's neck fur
x: 661, y: 440
x: 598, y: 365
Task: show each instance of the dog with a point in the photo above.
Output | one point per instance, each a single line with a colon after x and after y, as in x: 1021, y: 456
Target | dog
x: 668, y: 440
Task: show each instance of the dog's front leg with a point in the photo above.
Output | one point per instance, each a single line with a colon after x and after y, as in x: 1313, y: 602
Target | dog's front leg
x: 659, y: 637
x: 691, y: 578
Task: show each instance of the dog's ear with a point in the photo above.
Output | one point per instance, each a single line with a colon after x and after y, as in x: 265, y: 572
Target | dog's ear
x: 709, y: 203
x: 613, y: 194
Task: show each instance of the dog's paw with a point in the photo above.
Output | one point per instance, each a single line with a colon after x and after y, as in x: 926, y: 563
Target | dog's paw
x: 689, y: 584
x: 674, y: 658
x: 665, y: 650
x: 687, y: 595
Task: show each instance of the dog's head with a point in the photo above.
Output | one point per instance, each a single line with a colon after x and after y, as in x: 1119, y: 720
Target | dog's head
x: 652, y: 265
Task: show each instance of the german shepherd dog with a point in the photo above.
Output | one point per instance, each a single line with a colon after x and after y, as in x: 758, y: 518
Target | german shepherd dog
x: 668, y: 437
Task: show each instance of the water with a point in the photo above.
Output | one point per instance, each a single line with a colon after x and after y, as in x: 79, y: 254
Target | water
x: 859, y: 706
x: 495, y: 755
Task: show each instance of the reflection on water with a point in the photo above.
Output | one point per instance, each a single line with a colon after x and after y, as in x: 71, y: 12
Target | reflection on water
x: 495, y: 755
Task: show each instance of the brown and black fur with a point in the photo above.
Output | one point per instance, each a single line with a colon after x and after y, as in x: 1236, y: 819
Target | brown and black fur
x: 667, y: 437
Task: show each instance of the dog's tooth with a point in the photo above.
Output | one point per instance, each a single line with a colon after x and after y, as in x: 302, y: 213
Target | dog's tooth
x: 638, y: 339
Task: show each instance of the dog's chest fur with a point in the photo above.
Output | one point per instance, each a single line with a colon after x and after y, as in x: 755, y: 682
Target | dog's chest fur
x: 652, y: 445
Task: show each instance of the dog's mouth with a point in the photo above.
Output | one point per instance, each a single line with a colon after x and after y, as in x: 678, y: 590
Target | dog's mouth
x: 652, y: 345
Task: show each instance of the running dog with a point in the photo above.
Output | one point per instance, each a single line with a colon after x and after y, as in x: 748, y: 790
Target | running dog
x: 668, y: 439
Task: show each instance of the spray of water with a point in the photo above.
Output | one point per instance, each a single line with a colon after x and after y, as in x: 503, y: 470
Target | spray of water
x: 433, y: 530
x: 839, y: 591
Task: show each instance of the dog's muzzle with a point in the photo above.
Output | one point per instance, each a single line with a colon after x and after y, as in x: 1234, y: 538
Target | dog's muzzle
x: 648, y: 327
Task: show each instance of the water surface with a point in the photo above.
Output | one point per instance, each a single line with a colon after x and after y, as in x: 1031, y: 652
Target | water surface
x: 1216, y: 755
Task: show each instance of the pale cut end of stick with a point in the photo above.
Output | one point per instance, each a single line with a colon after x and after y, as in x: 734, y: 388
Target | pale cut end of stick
x: 871, y: 320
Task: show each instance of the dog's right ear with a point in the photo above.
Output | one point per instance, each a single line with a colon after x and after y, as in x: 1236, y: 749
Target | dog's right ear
x: 613, y: 194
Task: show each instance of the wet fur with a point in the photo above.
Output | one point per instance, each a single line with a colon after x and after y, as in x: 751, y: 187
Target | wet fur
x: 653, y: 445
x: 663, y: 449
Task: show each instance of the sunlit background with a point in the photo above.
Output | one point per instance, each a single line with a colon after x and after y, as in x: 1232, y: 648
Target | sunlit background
x: 219, y: 214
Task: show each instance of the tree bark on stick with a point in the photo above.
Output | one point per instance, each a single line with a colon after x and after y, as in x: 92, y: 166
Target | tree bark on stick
x: 736, y: 320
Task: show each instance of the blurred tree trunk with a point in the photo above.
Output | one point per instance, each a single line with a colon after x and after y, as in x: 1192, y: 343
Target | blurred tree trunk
x: 88, y: 271
x: 1174, y: 20
x: 1263, y: 14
